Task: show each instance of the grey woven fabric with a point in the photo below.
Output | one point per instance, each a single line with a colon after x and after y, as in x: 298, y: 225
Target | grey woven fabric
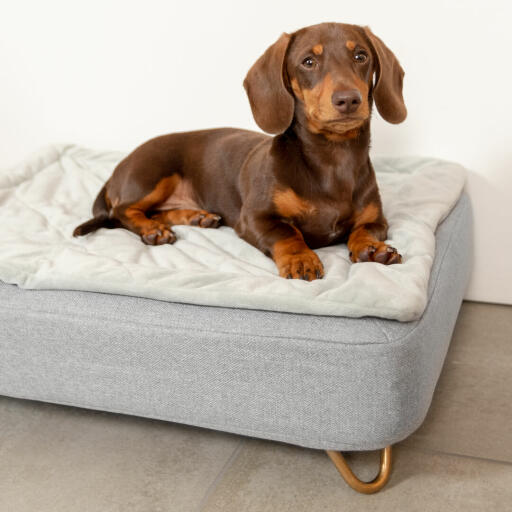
x: 321, y: 382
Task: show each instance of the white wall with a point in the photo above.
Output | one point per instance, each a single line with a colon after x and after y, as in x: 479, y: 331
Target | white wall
x: 111, y: 74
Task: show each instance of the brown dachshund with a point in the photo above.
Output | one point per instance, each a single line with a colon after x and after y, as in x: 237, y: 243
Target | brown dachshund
x: 309, y: 186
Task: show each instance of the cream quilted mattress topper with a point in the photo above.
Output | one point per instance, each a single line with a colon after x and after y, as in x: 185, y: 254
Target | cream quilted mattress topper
x: 43, y: 199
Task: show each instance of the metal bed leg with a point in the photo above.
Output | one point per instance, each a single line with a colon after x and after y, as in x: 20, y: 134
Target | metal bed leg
x: 358, y: 485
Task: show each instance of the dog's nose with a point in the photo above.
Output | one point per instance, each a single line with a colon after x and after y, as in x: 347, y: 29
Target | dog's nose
x: 346, y: 102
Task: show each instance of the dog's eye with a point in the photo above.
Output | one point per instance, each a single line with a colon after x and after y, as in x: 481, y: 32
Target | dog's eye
x: 360, y: 56
x: 308, y: 62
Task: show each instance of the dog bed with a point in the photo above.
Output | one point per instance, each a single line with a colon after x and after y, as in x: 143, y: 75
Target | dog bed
x: 318, y: 381
x: 42, y: 200
x: 322, y: 381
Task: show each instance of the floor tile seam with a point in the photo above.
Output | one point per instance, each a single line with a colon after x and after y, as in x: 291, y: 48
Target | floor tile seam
x: 410, y: 446
x: 220, y: 475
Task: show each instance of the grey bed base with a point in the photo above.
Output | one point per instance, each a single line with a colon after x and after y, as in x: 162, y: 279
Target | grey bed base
x: 328, y: 383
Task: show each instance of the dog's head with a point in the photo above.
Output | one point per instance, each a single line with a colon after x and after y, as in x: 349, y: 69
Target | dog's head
x: 324, y: 74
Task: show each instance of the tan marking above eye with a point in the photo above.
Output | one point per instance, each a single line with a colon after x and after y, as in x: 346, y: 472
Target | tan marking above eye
x: 289, y: 204
x: 318, y: 49
x: 350, y: 45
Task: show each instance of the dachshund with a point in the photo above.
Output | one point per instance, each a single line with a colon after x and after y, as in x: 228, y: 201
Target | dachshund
x: 309, y: 185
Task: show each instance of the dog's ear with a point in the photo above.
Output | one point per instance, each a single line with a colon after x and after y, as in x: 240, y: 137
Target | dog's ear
x: 389, y: 82
x: 271, y: 103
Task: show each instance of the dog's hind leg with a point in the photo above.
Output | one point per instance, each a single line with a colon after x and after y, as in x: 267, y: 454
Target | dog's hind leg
x: 134, y: 215
x: 200, y: 218
x: 150, y: 231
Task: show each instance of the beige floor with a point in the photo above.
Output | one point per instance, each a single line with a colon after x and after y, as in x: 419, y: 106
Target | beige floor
x: 55, y: 458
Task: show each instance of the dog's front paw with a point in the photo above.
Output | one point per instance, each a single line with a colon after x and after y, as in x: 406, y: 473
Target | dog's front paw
x: 303, y: 265
x: 378, y: 252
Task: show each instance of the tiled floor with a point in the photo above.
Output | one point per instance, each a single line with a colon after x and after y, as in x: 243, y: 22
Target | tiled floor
x: 55, y: 458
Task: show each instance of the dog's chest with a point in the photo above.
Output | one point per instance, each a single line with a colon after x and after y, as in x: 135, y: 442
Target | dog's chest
x: 327, y: 224
x: 322, y: 221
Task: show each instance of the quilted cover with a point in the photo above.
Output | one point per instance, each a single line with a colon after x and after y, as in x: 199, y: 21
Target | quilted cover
x: 44, y: 198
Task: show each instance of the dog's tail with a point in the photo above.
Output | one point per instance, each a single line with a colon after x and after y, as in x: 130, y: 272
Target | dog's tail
x: 101, y: 217
x: 91, y: 225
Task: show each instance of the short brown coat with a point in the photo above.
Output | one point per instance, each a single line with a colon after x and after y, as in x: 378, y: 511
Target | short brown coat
x: 309, y: 186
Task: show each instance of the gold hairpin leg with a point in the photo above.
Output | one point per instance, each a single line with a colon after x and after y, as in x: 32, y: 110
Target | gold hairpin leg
x: 358, y: 485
